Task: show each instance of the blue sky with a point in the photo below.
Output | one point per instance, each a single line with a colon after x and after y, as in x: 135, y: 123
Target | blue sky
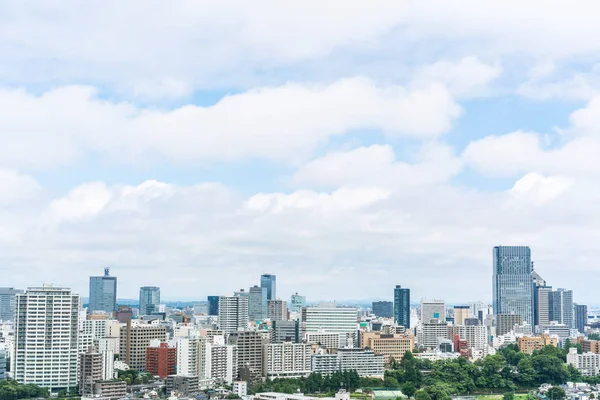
x: 348, y: 148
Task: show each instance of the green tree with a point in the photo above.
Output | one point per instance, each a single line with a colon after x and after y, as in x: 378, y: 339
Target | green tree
x: 556, y: 393
x: 390, y: 382
x: 508, y: 396
x: 409, y: 389
x: 422, y: 395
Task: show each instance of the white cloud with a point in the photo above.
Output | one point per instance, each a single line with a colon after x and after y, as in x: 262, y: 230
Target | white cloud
x: 15, y: 187
x: 281, y: 123
x: 538, y: 189
x: 377, y: 165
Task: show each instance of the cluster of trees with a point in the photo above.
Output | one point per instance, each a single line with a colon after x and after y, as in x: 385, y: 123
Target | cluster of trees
x: 12, y: 390
x: 316, y: 383
x: 133, y: 377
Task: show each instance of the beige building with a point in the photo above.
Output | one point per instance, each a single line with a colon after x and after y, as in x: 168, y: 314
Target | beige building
x: 528, y: 344
x: 134, y: 339
x: 460, y: 314
x: 591, y: 346
x: 112, y: 390
x: 391, y: 346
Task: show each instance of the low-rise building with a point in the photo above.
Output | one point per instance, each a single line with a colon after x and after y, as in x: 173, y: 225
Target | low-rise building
x: 391, y: 346
x: 591, y: 346
x: 587, y: 363
x: 286, y: 360
x: 527, y: 344
x: 240, y: 388
x: 113, y: 390
x: 183, y: 384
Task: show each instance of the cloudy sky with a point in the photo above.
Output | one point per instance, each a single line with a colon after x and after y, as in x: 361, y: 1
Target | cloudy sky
x: 346, y: 147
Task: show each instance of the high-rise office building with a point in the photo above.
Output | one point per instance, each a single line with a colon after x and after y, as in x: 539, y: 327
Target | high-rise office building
x: 581, y: 316
x: 542, y: 298
x: 213, y: 305
x: 383, y: 309
x: 562, y: 307
x: 149, y: 300
x: 257, y: 303
x: 330, y: 319
x: 402, y: 306
x: 135, y: 339
x: 505, y: 323
x: 233, y: 313
x: 277, y: 310
x: 46, y: 325
x: 288, y: 331
x: 103, y: 293
x: 513, y: 281
x: 7, y: 303
x: 461, y: 313
x: 297, y: 303
x: 433, y: 309
x: 269, y: 282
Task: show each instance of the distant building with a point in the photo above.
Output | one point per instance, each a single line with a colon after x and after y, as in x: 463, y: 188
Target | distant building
x: 3, y: 357
x: 277, y: 310
x: 581, y: 317
x: 543, y: 305
x: 476, y: 336
x: 433, y: 310
x: 297, y: 302
x: 134, y: 339
x: 269, y: 282
x: 506, y: 322
x: 286, y: 360
x: 513, y: 282
x: 330, y: 319
x: 429, y: 333
x: 224, y: 363
x: 562, y: 307
x: 288, y: 331
x: 528, y: 344
x: 124, y: 314
x: 7, y: 303
x: 103, y: 293
x: 461, y: 313
x: 94, y: 367
x: 185, y: 385
x: 402, y: 306
x: 249, y: 352
x: 257, y: 303
x: 111, y: 390
x: 233, y: 313
x: 161, y: 358
x: 587, y: 363
x: 149, y: 300
x: 391, y: 346
x: 591, y: 346
x: 213, y: 305
x: 366, y: 363
x: 50, y: 313
x: 383, y: 309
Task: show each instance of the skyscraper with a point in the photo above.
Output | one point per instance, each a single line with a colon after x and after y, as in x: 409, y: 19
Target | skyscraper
x: 257, y: 303
x: 402, y: 306
x: 7, y: 303
x: 580, y: 317
x: 269, y: 281
x: 297, y: 303
x: 103, y: 293
x: 541, y: 300
x: 562, y: 307
x: 149, y: 300
x: 233, y: 313
x: 46, y: 325
x: 213, y: 305
x: 383, y: 309
x: 513, y: 281
x: 433, y: 309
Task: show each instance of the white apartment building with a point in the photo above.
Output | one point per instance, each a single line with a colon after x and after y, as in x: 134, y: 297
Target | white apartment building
x: 233, y: 313
x: 365, y: 362
x: 330, y: 319
x: 46, y: 327
x: 108, y: 344
x: 476, y: 336
x: 329, y: 340
x: 223, y: 362
x: 587, y: 363
x: 286, y: 360
x: 324, y: 364
x: 428, y: 334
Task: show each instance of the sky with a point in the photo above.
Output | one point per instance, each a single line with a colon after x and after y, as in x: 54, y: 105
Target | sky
x: 345, y: 146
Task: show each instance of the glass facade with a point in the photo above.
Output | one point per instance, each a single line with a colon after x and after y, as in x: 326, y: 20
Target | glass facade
x: 257, y: 303
x: 268, y: 281
x: 7, y: 303
x: 383, y: 309
x: 213, y: 305
x: 297, y: 302
x: 513, y: 284
x: 149, y: 300
x: 103, y: 293
x: 402, y: 306
x: 581, y: 316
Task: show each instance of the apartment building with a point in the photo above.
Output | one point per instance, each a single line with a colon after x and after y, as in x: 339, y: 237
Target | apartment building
x: 286, y: 360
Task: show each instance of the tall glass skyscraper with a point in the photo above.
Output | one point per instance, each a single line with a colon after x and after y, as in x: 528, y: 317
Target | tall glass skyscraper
x: 213, y: 305
x: 257, y: 303
x: 513, y: 283
x: 402, y: 306
x: 103, y: 293
x: 269, y: 281
x: 149, y: 300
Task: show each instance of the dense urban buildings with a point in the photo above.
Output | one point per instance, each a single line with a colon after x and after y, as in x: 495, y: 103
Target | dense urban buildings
x: 149, y: 300
x: 103, y: 293
x: 513, y: 281
x: 269, y: 282
x: 46, y: 327
x: 383, y: 309
x: 402, y: 306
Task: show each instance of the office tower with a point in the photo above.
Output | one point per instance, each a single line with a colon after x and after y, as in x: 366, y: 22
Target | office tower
x: 383, y: 309
x: 428, y: 333
x: 286, y: 360
x: 233, y: 313
x: 149, y: 300
x: 581, y: 317
x: 161, y: 358
x: 7, y: 303
x: 433, y: 309
x: 277, y: 310
x: 402, y: 306
x: 134, y: 339
x: 268, y: 281
x: 213, y: 305
x: 257, y: 303
x: 46, y: 325
x: 543, y: 303
x: 103, y: 293
x: 124, y: 314
x: 330, y: 319
x: 461, y: 313
x: 505, y: 323
x: 288, y: 331
x: 513, y: 281
x: 249, y: 353
x: 297, y: 303
x: 562, y: 307
x: 3, y: 356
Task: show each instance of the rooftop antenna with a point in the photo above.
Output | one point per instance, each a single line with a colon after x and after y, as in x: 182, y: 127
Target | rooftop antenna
x: 107, y: 271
